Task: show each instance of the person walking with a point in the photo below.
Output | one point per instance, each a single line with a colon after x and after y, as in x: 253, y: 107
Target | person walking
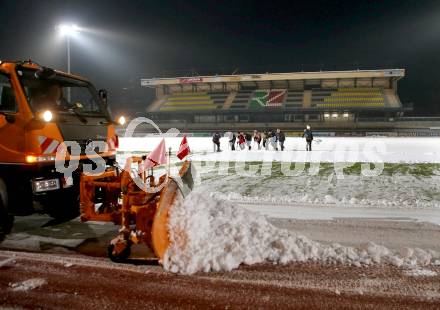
x: 241, y: 140
x: 273, y: 140
x: 248, y: 138
x: 216, y: 141
x: 264, y: 137
x: 281, y: 137
x: 309, y: 138
x: 257, y: 139
x: 232, y: 139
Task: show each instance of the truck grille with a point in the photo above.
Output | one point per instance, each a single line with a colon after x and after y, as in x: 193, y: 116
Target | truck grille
x: 83, y: 144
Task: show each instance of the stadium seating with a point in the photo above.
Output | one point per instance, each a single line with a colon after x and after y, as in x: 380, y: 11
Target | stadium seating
x: 218, y: 98
x: 193, y: 101
x: 339, y: 98
x: 294, y: 99
x: 241, y: 100
x: 348, y: 98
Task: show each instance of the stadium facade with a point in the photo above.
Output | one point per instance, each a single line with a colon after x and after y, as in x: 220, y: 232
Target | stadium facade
x: 330, y: 101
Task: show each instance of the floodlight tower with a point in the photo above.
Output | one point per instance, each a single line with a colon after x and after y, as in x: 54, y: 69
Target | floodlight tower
x: 67, y: 31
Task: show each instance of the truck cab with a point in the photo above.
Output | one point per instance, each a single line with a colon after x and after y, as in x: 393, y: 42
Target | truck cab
x: 40, y: 110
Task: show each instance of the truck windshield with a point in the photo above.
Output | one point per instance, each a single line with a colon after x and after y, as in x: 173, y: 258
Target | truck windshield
x: 59, y: 93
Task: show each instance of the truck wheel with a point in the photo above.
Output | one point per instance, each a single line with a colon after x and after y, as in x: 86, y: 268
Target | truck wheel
x: 121, y: 257
x: 62, y: 207
x: 6, y: 218
x: 20, y: 200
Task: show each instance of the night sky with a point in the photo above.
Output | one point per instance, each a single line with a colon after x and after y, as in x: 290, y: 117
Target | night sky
x: 124, y: 41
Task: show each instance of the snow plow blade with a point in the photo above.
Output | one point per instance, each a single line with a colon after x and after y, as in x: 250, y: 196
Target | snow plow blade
x: 159, y: 233
x: 142, y: 213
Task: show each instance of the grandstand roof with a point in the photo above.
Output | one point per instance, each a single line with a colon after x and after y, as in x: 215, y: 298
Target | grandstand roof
x: 395, y: 74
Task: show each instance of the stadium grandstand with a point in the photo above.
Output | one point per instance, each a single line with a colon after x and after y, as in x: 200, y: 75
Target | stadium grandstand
x: 327, y: 100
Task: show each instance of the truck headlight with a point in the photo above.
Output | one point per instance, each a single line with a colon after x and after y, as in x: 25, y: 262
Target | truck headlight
x: 47, y: 116
x: 31, y: 159
x: 122, y: 120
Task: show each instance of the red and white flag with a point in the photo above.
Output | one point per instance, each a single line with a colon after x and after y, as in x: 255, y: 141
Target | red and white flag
x: 157, y: 157
x: 183, y: 149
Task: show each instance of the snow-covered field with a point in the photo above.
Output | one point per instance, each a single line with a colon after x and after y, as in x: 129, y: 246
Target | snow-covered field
x: 325, y: 149
x: 359, y: 179
x: 391, y: 173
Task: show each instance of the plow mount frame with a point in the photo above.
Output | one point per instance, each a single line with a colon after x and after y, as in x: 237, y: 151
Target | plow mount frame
x: 114, y: 196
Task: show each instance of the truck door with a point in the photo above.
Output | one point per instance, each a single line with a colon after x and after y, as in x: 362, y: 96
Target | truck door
x: 11, y: 128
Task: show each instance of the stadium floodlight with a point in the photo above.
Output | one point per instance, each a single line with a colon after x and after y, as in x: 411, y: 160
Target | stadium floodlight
x: 326, y: 115
x: 67, y: 30
x: 335, y: 115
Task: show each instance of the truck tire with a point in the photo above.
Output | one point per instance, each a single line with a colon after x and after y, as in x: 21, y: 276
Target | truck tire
x: 63, y: 207
x: 20, y: 200
x: 6, y: 218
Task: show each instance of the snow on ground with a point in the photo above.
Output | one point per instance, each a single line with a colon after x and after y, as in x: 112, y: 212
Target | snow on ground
x: 226, y: 236
x: 389, y: 192
x: 408, y: 179
x: 6, y: 262
x: 33, y: 242
x: 28, y: 285
x: 329, y: 212
x: 393, y: 232
x: 421, y: 273
x: 325, y: 149
x: 39, y: 233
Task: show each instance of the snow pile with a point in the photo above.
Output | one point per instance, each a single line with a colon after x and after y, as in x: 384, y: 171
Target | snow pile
x: 421, y: 273
x: 212, y: 235
x: 27, y: 285
x: 6, y: 262
x: 24, y: 240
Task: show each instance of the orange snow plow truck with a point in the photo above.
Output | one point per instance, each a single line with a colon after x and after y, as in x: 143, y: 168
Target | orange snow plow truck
x: 41, y: 109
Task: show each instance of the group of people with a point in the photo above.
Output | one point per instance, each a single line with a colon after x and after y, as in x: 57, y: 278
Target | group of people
x: 259, y: 140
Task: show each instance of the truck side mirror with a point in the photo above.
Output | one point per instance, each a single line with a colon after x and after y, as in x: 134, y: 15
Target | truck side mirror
x: 103, y: 95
